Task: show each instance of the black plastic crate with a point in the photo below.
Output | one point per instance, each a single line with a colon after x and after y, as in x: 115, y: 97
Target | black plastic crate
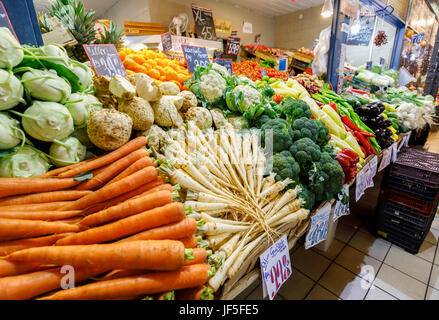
x: 415, y: 187
x: 405, y: 213
x: 410, y: 245
x: 402, y: 227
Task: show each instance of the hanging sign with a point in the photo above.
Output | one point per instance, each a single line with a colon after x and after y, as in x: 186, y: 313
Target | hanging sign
x: 363, y: 36
x: 204, y: 22
x: 233, y: 45
x: 195, y: 56
x: 283, y: 64
x: 167, y: 41
x: 275, y: 267
x: 318, y: 229
x: 362, y: 182
x: 4, y: 20
x: 105, y: 59
x: 227, y: 63
x: 340, y: 208
x: 387, y: 157
x: 247, y: 27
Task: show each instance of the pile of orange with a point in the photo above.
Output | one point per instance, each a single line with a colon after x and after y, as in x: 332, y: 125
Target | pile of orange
x: 156, y: 65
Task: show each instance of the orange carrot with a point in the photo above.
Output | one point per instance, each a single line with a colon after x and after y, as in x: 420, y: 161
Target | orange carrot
x: 122, y: 186
x: 11, y: 229
x: 151, y: 283
x: 120, y: 273
x: 14, y: 186
x: 55, y: 172
x: 108, y: 158
x: 128, y: 208
x: 13, y: 268
x: 33, y: 284
x: 39, y: 215
x: 11, y: 246
x: 162, y: 255
x: 44, y: 197
x: 112, y: 170
x: 136, y: 166
x: 173, y: 231
x: 49, y: 206
x: 189, y: 241
x: 146, y: 220
x: 190, y: 293
x: 200, y: 256
x: 160, y: 187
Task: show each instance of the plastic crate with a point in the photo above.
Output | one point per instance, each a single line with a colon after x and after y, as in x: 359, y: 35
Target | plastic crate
x: 410, y: 245
x: 415, y: 187
x: 424, y: 208
x: 405, y: 213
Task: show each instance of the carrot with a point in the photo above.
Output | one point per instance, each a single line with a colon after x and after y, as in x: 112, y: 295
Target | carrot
x: 146, y: 220
x: 44, y: 197
x: 189, y: 241
x: 139, y: 191
x: 160, y: 187
x: 190, y: 293
x: 33, y: 284
x: 162, y: 255
x: 129, y: 208
x: 112, y: 170
x: 11, y: 229
x: 14, y: 186
x: 120, y: 273
x: 199, y: 254
x: 122, y: 186
x: 55, y: 172
x: 49, y: 206
x: 12, y: 268
x: 74, y: 220
x: 136, y: 166
x: 150, y: 283
x: 173, y: 231
x: 11, y: 246
x: 39, y: 215
x: 106, y: 159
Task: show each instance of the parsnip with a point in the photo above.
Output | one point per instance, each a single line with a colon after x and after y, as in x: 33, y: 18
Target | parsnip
x: 207, y: 218
x: 210, y: 228
x: 230, y: 245
x: 287, y: 197
x: 289, y: 208
x: 269, y: 193
x: 215, y: 240
x: 207, y: 206
x: 244, y: 254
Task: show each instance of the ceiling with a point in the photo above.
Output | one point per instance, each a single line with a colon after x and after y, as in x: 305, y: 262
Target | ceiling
x: 99, y: 6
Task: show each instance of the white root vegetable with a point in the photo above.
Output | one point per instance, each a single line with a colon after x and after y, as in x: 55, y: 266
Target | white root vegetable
x: 217, y: 239
x: 244, y: 254
x: 269, y: 193
x: 286, y: 210
x: 207, y: 206
x: 259, y: 173
x: 267, y: 208
x: 207, y: 218
x: 230, y: 245
x: 211, y: 228
x: 179, y: 177
x: 288, y: 196
x: 300, y: 215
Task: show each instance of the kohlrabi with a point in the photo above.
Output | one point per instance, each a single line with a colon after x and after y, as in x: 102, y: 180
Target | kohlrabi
x: 80, y: 105
x: 11, y: 53
x: 47, y: 121
x: 11, y: 90
x: 24, y: 162
x: 84, y: 73
x: 46, y: 85
x: 10, y: 133
x: 67, y: 151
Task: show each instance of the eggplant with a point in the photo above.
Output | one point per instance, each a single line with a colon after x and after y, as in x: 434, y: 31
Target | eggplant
x: 382, y: 107
x: 364, y: 111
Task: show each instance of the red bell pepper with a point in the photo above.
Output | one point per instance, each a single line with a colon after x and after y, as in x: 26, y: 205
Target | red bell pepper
x: 345, y: 161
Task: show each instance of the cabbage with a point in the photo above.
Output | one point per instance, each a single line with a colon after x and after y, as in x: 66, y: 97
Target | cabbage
x: 11, y: 90
x: 11, y: 53
x: 10, y: 133
x: 80, y: 105
x: 84, y: 73
x: 46, y: 85
x: 67, y: 151
x: 47, y: 121
x: 25, y: 162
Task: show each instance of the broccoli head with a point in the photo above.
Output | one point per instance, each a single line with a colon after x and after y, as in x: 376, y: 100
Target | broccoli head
x: 330, y: 150
x: 323, y: 135
x: 308, y: 196
x: 305, y: 151
x: 293, y: 109
x: 285, y: 166
x: 281, y: 132
x: 305, y: 128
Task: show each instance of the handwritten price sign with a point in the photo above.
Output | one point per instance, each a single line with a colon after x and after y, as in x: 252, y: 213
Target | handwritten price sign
x: 275, y: 267
x: 340, y: 208
x: 195, y: 56
x: 318, y: 229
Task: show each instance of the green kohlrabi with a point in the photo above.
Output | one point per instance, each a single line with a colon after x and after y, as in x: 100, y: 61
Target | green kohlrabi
x: 80, y: 105
x: 11, y: 53
x: 47, y: 121
x: 85, y: 75
x: 67, y: 151
x: 24, y: 162
x: 46, y: 85
x: 10, y: 133
x: 11, y: 90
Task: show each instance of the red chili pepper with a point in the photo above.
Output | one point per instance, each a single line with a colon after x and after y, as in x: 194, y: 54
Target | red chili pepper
x: 364, y: 141
x: 347, y: 128
x: 333, y: 106
x: 319, y: 103
x: 349, y: 123
x: 364, y: 150
x: 352, y: 154
x: 367, y: 134
x: 359, y: 91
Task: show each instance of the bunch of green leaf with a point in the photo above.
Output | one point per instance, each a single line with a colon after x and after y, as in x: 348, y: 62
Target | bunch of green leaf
x: 112, y: 35
x: 269, y: 63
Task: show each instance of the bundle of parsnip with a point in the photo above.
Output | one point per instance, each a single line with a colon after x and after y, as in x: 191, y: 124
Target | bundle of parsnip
x: 222, y: 173
x: 120, y: 230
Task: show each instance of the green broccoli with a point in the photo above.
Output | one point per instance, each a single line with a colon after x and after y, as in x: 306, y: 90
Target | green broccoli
x: 285, y: 166
x: 305, y: 128
x: 267, y: 92
x: 293, y: 109
x: 281, y: 133
x: 330, y: 150
x: 323, y: 136
x: 308, y: 195
x: 305, y: 151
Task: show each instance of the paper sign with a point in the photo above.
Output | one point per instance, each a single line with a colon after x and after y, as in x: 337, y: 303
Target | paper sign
x: 387, y: 157
x: 362, y: 182
x: 394, y: 151
x: 227, y: 63
x: 217, y: 54
x: 195, y: 56
x: 263, y: 73
x: 233, y: 45
x: 407, y: 138
x: 318, y: 229
x: 283, y: 64
x: 257, y: 40
x: 340, y: 208
x: 417, y: 38
x: 382, y: 61
x: 167, y: 41
x: 275, y: 267
x: 247, y: 27
x: 4, y: 20
x: 369, y: 65
x: 105, y: 59
x: 373, y: 166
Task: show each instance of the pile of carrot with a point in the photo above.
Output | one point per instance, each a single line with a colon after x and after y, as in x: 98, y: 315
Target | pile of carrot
x: 120, y: 230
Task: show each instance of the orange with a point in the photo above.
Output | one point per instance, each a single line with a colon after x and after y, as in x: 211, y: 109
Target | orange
x: 140, y: 69
x: 147, y: 65
x: 160, y: 69
x: 160, y: 62
x: 139, y: 59
x: 171, y: 75
x: 122, y: 55
x: 182, y: 77
x: 152, y: 62
x: 162, y: 78
x: 153, y: 73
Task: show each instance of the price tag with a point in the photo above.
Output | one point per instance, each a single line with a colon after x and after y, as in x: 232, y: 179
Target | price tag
x: 373, y: 166
x: 217, y: 54
x: 195, y: 56
x: 382, y: 61
x: 233, y: 45
x: 4, y: 20
x: 407, y: 138
x: 318, y: 229
x: 263, y: 73
x: 362, y: 182
x: 340, y: 208
x: 227, y: 63
x: 394, y: 152
x: 275, y: 267
x: 166, y: 41
x: 105, y: 59
x: 283, y: 64
x: 369, y: 65
x: 387, y: 157
x: 417, y: 38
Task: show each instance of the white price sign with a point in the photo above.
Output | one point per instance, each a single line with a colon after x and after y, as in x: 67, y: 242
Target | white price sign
x: 318, y: 229
x: 275, y: 267
x: 406, y: 139
x: 385, y: 161
x: 394, y: 152
x: 340, y: 208
x: 373, y: 165
x: 362, y: 181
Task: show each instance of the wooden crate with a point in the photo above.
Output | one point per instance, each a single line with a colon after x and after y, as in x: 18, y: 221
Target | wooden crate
x: 134, y: 28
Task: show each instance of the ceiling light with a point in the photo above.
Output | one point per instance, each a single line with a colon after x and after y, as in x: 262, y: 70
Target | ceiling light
x: 327, y: 9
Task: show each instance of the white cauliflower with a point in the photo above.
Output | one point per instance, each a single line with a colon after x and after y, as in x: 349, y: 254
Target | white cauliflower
x: 250, y: 96
x: 221, y: 69
x: 212, y: 85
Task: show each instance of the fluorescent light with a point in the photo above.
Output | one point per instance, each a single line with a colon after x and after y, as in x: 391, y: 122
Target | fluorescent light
x: 327, y: 9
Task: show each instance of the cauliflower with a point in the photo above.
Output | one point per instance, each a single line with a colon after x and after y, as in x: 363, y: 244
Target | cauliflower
x: 212, y: 85
x: 169, y: 88
x: 225, y: 73
x: 189, y: 100
x: 201, y: 117
x: 242, y: 97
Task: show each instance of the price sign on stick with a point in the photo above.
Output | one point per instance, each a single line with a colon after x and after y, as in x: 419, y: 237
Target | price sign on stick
x: 4, y: 20
x: 387, y: 157
x: 340, y: 208
x: 283, y: 64
x: 227, y: 63
x: 394, y: 152
x: 233, y: 45
x: 275, y: 267
x: 318, y: 229
x: 195, y: 56
x: 204, y: 22
x: 105, y: 59
x: 167, y: 41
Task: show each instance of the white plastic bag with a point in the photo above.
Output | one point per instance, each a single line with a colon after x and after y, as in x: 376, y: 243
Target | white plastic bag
x: 320, y: 62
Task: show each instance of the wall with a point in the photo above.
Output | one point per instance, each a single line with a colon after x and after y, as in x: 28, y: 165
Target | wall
x: 290, y: 32
x: 128, y: 10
